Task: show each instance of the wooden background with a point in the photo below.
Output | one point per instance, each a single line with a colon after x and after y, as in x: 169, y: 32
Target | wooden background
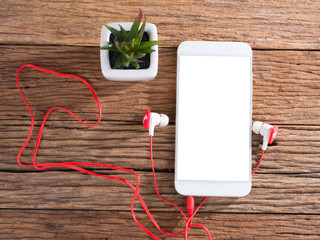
x: 64, y: 36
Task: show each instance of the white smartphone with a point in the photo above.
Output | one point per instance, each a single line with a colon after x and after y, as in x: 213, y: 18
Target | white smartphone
x: 213, y: 119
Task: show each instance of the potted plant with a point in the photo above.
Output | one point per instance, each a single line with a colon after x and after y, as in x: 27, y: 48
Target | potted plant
x: 129, y: 51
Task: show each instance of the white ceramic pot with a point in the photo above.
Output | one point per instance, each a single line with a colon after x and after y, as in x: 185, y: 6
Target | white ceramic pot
x: 128, y: 74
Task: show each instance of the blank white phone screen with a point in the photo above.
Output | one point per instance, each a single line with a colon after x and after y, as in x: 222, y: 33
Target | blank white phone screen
x: 214, y: 118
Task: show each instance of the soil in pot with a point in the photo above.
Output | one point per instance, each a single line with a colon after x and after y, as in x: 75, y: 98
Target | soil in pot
x: 113, y: 56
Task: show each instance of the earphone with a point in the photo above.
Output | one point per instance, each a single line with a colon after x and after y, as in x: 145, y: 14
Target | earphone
x: 268, y: 132
x: 151, y: 119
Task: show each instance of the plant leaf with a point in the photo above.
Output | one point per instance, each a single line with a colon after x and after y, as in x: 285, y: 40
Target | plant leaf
x: 110, y: 47
x: 148, y: 50
x: 126, y: 48
x: 124, y: 33
x: 138, y: 55
x: 131, y: 44
x: 115, y: 32
x: 119, y: 48
x: 148, y: 44
x: 135, y: 60
x: 127, y: 63
x: 119, y: 62
x: 140, y: 15
x: 137, y: 41
x: 125, y: 60
x: 135, y: 26
x: 135, y: 64
x: 126, y: 43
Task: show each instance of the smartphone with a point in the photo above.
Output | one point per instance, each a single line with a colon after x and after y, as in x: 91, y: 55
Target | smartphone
x: 213, y: 119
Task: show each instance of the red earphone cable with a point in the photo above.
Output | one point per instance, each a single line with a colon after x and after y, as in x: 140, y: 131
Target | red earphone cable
x: 188, y: 222
x: 258, y: 165
x: 188, y: 225
x: 75, y: 165
x: 155, y: 183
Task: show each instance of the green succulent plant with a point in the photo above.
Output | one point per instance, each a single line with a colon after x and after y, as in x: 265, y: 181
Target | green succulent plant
x: 129, y: 44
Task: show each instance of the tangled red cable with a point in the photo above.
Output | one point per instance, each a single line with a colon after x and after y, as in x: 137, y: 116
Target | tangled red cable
x: 76, y: 165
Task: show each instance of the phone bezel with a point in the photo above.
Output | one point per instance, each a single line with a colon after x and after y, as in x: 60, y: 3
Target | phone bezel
x: 213, y: 188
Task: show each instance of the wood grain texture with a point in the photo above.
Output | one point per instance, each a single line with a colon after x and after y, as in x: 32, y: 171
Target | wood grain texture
x: 285, y: 86
x: 296, y: 149
x: 63, y: 204
x: 290, y: 24
x: 52, y: 224
x: 271, y: 193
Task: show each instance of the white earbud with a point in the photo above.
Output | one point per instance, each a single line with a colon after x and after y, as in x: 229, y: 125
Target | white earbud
x: 151, y: 119
x: 268, y: 132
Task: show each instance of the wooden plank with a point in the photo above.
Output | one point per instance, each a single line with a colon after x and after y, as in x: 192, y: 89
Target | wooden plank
x: 52, y: 224
x: 290, y: 24
x: 296, y: 149
x: 271, y: 193
x: 285, y: 86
